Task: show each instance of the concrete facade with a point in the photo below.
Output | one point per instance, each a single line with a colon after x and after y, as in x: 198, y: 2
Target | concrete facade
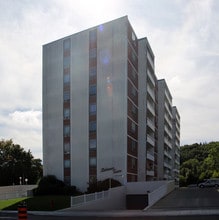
x: 175, y: 144
x: 100, y: 106
x: 164, y: 131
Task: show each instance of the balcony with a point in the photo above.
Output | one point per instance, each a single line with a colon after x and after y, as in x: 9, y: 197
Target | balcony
x: 151, y: 92
x: 150, y: 156
x: 150, y: 140
x: 177, y: 162
x: 167, y: 165
x: 167, y: 143
x: 150, y: 173
x: 168, y: 121
x: 149, y: 58
x: 167, y: 154
x: 151, y: 77
x: 168, y: 97
x: 151, y: 108
x: 168, y: 132
x: 150, y: 123
x: 167, y: 109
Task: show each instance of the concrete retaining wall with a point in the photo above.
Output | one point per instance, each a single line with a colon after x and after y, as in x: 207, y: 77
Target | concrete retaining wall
x: 160, y: 192
x: 16, y: 191
x: 115, y: 200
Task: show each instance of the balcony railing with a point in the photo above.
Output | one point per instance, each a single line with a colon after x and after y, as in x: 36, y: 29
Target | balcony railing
x: 150, y: 140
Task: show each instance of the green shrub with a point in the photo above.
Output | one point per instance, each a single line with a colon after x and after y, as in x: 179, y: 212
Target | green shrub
x: 98, y: 186
x: 50, y: 185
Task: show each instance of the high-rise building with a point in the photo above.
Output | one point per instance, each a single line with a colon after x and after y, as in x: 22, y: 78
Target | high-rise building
x: 175, y: 144
x: 147, y: 136
x: 164, y: 131
x: 100, y: 106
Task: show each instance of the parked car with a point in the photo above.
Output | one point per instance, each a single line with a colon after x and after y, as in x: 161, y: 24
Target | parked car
x: 209, y: 183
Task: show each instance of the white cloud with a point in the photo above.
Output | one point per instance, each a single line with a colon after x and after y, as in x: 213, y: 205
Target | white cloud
x: 26, y: 119
x: 183, y: 34
x: 24, y: 127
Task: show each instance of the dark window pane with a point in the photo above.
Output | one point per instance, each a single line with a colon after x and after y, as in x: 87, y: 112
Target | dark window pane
x: 92, y: 126
x: 66, y: 96
x: 93, y: 90
x: 92, y: 143
x: 67, y: 44
x: 93, y: 109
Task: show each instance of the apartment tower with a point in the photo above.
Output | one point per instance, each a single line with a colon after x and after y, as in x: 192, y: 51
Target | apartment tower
x: 100, y: 106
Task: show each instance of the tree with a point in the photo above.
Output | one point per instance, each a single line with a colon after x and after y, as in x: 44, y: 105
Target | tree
x: 199, y: 162
x: 17, y: 165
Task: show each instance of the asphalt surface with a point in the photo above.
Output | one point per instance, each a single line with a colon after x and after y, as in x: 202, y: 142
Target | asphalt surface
x: 189, y: 199
x: 185, y: 203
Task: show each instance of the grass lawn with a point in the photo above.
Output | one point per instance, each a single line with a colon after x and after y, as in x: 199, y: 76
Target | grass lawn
x: 38, y: 203
x: 9, y: 202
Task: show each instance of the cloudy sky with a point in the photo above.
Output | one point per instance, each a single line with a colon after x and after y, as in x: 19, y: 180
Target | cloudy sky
x: 184, y: 36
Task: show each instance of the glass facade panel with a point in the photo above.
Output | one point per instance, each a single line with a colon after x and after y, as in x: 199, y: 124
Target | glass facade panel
x: 133, y: 127
x: 66, y: 62
x: 93, y: 126
x: 93, y: 36
x: 93, y: 109
x: 67, y: 147
x: 66, y: 96
x: 93, y: 90
x: 93, y: 161
x: 93, y: 53
x: 66, y: 44
x: 66, y: 130
x: 92, y: 143
x: 66, y: 113
x: 67, y: 163
x: 93, y: 71
x: 66, y: 78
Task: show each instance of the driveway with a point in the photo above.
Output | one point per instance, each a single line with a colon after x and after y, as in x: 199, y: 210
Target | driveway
x: 189, y: 198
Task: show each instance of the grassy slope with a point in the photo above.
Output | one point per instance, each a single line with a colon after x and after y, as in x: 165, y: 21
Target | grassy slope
x: 38, y: 203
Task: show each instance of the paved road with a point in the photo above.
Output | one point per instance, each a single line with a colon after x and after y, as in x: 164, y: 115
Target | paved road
x: 189, y: 198
x: 185, y: 203
x: 38, y: 217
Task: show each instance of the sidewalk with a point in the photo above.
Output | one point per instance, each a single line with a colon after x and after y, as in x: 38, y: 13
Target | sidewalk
x: 123, y: 213
x: 129, y: 213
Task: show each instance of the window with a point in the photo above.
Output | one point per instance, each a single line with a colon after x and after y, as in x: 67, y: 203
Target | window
x: 134, y: 111
x: 133, y: 163
x: 66, y: 130
x: 66, y: 62
x: 92, y: 126
x: 66, y: 96
x: 93, y: 53
x: 67, y: 147
x: 93, y: 71
x: 133, y: 146
x: 66, y: 78
x: 93, y: 89
x: 93, y: 109
x: 66, y: 113
x: 93, y: 36
x: 133, y: 91
x: 133, y: 56
x: 133, y: 36
x: 92, y: 143
x: 67, y: 44
x: 133, y: 73
x: 133, y: 127
x: 93, y: 161
x: 67, y: 163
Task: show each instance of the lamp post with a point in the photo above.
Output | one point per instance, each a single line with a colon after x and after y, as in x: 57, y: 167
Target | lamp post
x: 20, y: 180
x: 26, y: 180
